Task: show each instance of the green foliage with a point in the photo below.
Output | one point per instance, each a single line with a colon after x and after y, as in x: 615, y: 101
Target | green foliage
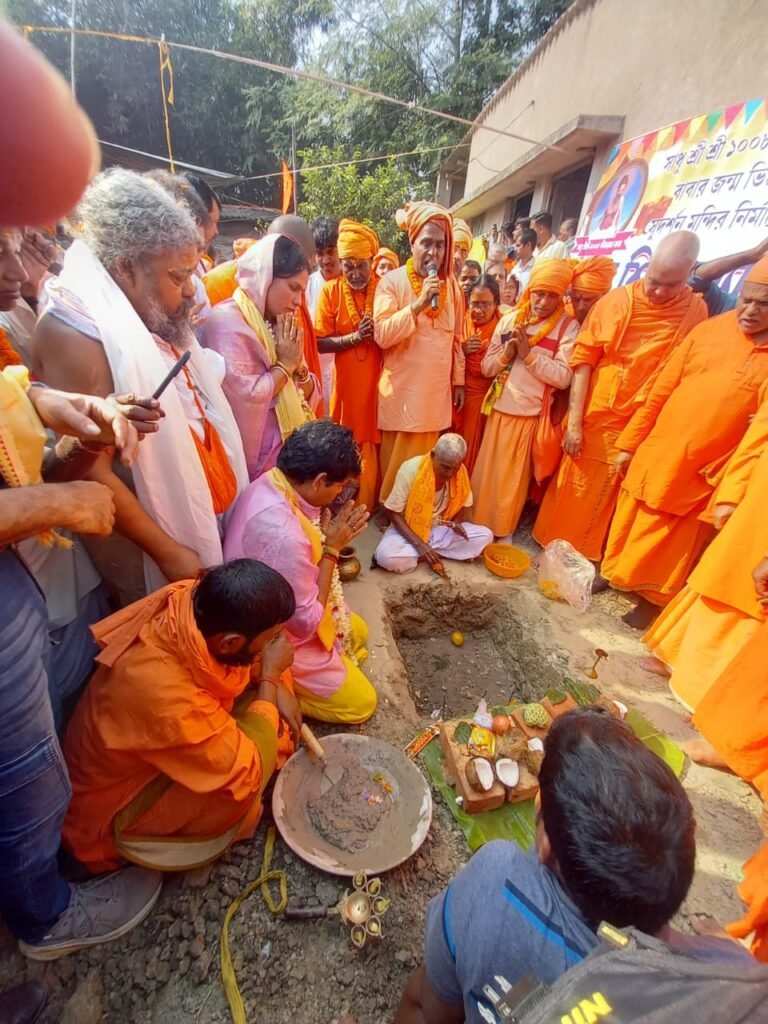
x: 365, y: 192
x: 450, y: 55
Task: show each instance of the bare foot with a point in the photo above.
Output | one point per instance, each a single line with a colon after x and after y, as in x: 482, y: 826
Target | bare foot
x: 704, y: 753
x: 655, y: 666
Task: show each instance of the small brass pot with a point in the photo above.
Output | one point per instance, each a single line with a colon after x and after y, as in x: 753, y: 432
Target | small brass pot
x: 349, y: 565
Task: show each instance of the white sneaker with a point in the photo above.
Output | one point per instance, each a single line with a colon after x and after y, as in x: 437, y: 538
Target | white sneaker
x: 99, y: 911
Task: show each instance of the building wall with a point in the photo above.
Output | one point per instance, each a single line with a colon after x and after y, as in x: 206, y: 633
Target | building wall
x: 654, y: 61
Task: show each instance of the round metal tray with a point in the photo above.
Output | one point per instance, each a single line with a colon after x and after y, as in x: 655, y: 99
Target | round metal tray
x: 398, y: 834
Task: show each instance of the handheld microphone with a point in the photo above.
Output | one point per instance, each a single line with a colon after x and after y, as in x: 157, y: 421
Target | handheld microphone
x: 432, y: 272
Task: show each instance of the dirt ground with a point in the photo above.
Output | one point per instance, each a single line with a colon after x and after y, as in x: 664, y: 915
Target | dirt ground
x: 167, y: 971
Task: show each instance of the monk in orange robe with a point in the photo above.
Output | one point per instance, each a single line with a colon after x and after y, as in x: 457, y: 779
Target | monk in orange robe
x: 592, y: 279
x: 480, y: 322
x: 718, y: 612
x: 418, y: 316
x: 627, y: 338
x: 179, y: 730
x: 677, y: 445
x: 344, y: 326
x: 384, y: 261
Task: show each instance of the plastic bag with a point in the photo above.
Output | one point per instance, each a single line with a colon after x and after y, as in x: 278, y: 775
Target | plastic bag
x: 566, y: 575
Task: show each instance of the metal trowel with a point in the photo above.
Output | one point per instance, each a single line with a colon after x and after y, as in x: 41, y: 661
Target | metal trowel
x: 317, y: 753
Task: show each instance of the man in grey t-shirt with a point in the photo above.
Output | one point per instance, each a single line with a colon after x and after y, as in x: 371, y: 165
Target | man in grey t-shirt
x: 614, y: 842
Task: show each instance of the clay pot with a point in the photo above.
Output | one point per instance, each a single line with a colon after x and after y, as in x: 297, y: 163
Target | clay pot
x: 349, y: 565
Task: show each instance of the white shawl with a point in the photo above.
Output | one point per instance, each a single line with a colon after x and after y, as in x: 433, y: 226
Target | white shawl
x: 168, y: 477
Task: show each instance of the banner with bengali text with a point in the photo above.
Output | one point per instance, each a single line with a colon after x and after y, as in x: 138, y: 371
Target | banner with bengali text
x: 707, y: 174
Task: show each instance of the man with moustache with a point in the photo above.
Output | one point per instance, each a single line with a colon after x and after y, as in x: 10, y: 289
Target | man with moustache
x: 117, y: 319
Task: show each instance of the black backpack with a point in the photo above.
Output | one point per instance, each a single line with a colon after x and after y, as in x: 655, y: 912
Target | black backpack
x: 631, y: 978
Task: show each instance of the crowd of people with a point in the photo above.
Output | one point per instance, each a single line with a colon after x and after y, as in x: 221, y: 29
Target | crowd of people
x: 170, y: 555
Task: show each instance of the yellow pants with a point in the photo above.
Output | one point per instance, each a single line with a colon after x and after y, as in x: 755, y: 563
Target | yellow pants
x: 355, y: 700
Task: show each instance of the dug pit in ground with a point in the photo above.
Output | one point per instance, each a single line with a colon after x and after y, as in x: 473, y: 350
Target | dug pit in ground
x: 497, y: 657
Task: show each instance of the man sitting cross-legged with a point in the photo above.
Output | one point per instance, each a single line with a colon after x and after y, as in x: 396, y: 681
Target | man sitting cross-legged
x: 614, y: 843
x: 427, y: 507
x: 180, y: 729
x: 278, y: 520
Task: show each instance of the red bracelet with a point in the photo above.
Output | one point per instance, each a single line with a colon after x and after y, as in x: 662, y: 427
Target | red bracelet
x: 330, y: 557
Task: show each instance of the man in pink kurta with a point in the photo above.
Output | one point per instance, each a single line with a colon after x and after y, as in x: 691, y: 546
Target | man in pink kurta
x: 423, y: 362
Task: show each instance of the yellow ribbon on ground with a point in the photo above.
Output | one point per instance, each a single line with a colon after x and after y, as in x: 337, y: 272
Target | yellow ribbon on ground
x: 291, y: 411
x: 228, y: 977
x: 419, y: 508
x: 326, y: 631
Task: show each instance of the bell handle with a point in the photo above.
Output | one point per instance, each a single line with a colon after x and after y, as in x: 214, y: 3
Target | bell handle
x: 304, y: 913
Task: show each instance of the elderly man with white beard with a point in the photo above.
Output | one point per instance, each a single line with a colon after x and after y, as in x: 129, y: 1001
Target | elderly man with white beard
x: 116, y: 320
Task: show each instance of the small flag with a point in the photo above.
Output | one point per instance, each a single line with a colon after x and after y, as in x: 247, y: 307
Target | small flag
x: 287, y: 187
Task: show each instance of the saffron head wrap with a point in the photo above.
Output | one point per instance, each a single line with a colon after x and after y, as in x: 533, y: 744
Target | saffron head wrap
x: 594, y: 274
x: 356, y: 241
x: 413, y: 218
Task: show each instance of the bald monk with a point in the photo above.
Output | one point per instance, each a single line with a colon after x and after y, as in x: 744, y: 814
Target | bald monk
x: 629, y: 335
x: 179, y: 730
x: 592, y: 279
x: 718, y: 612
x: 423, y: 363
x: 676, y: 446
x: 344, y: 326
x: 220, y: 283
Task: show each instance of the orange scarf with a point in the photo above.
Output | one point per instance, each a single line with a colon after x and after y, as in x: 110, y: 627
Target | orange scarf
x: 419, y: 510
x: 484, y: 332
x: 8, y: 354
x: 219, y: 474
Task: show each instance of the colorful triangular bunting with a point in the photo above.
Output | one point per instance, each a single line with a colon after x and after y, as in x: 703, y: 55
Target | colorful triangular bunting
x: 712, y: 120
x: 732, y: 112
x: 750, y: 108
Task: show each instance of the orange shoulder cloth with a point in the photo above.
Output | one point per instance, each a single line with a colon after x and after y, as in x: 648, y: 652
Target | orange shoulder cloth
x: 421, y: 500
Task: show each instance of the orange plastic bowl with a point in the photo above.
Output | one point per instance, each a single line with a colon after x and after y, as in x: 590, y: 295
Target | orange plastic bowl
x: 506, y: 561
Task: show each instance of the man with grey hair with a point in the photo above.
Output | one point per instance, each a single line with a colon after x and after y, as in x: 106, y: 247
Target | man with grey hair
x: 428, y: 508
x: 118, y: 319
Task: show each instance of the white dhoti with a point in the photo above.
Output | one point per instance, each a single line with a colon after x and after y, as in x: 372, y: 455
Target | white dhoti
x: 397, y: 554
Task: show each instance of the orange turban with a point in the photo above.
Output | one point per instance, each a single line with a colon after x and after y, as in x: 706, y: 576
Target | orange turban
x: 550, y: 276
x: 356, y: 241
x: 413, y: 218
x: 462, y: 233
x: 759, y: 273
x: 594, y: 274
x: 385, y: 254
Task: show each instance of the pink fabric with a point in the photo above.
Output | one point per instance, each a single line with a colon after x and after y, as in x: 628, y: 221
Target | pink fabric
x: 422, y: 358
x: 248, y: 384
x: 545, y: 364
x: 264, y: 527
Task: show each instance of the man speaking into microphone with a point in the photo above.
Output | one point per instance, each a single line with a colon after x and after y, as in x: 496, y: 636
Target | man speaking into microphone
x: 417, y: 314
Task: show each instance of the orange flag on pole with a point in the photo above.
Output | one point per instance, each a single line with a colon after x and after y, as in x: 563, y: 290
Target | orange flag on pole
x: 287, y: 187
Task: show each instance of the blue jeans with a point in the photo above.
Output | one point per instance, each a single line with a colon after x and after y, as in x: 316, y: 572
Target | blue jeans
x: 34, y: 784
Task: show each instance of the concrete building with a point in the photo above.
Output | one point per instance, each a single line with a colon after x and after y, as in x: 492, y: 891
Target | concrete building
x: 608, y: 70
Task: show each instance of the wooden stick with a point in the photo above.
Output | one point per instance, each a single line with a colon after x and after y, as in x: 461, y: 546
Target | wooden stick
x: 312, y: 744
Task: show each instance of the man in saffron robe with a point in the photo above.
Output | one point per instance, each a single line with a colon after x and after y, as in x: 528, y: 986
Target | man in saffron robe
x: 629, y: 335
x: 423, y: 364
x: 462, y: 243
x: 592, y: 279
x: 344, y: 326
x: 384, y: 261
x: 718, y: 613
x: 278, y: 521
x: 178, y: 732
x: 428, y: 508
x: 676, y: 445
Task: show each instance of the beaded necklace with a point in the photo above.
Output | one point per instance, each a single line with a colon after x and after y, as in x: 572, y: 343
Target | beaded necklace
x: 355, y: 316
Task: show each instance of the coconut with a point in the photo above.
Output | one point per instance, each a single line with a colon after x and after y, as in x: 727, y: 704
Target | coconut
x: 507, y: 772
x: 512, y: 744
x: 479, y: 774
